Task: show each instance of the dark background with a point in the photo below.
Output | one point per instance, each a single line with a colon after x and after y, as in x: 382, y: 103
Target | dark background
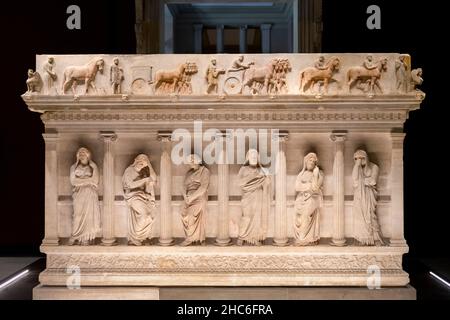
x: 28, y: 28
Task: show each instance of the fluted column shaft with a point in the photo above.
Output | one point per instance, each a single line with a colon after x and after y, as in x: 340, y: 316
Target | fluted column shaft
x: 108, y: 238
x: 338, y: 237
x: 219, y: 38
x: 165, y: 237
x: 280, y: 228
x: 223, y: 232
x: 243, y: 39
x: 51, y: 189
x: 198, y: 29
x: 397, y: 215
x: 265, y: 37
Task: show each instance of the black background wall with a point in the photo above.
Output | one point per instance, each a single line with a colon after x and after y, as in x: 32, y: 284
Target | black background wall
x: 28, y: 28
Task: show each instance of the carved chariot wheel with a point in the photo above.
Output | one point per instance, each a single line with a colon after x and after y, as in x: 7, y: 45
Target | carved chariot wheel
x: 139, y: 86
x: 232, y: 85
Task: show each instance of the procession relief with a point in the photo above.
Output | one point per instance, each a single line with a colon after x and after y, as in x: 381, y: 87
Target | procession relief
x: 267, y: 76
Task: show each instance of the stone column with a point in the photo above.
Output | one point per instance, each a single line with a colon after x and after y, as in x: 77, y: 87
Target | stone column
x: 165, y: 236
x: 108, y: 238
x: 310, y: 25
x: 280, y: 229
x: 223, y: 234
x: 198, y: 33
x: 338, y: 238
x: 51, y: 189
x: 265, y: 37
x: 397, y: 215
x: 219, y: 38
x: 243, y: 39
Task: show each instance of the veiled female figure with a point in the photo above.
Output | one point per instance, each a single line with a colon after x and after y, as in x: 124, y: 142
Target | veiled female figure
x: 255, y: 185
x: 86, y: 209
x: 308, y: 202
x: 138, y: 185
x: 365, y: 176
x: 195, y: 195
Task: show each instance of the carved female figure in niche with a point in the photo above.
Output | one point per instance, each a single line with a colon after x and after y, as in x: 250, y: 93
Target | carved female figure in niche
x: 195, y: 195
x: 86, y: 209
x: 255, y: 185
x: 138, y: 183
x: 365, y: 176
x: 308, y: 186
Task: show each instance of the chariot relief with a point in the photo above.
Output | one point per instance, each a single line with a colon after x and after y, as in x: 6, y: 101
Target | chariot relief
x: 176, y: 81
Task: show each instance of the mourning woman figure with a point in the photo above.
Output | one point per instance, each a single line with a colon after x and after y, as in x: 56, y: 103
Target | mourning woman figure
x: 138, y: 185
x: 195, y: 194
x: 365, y: 176
x: 255, y: 203
x: 308, y: 202
x: 86, y: 209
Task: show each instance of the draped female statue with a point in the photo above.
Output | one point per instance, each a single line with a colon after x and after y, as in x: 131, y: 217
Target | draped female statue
x: 365, y: 176
x: 255, y: 185
x: 138, y: 185
x: 195, y: 195
x: 308, y: 202
x: 86, y: 208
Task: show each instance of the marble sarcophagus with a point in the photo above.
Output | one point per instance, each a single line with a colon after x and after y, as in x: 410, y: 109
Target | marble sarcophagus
x: 223, y: 170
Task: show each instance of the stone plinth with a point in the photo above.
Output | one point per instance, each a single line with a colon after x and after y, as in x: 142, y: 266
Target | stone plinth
x: 322, y: 265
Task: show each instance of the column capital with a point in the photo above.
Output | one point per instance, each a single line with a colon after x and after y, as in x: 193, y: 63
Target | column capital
x: 198, y: 26
x: 397, y: 139
x: 165, y: 136
x: 108, y: 136
x: 243, y: 27
x: 282, y: 136
x: 50, y: 136
x: 223, y: 135
x: 266, y: 26
x: 338, y: 136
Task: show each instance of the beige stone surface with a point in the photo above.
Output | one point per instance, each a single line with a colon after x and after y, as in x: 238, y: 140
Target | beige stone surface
x: 333, y: 123
x: 221, y: 293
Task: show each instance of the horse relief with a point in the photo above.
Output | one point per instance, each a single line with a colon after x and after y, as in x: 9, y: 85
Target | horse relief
x: 176, y: 81
x: 367, y: 77
x: 84, y: 74
x: 322, y: 73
